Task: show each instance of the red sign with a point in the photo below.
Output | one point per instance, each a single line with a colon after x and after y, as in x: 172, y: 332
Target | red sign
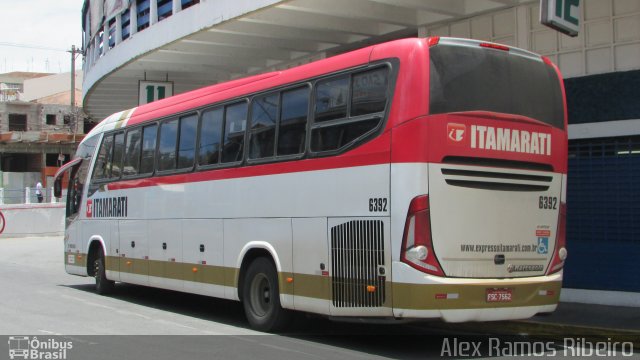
x: 89, y: 208
x: 456, y: 132
x: 543, y: 233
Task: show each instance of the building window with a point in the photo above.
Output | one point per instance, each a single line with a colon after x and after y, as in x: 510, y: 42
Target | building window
x: 112, y: 33
x: 126, y: 21
x: 165, y: 9
x: 188, y: 3
x: 51, y: 119
x: 17, y: 122
x: 144, y: 12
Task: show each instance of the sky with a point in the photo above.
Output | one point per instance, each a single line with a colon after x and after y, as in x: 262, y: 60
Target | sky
x: 37, y: 24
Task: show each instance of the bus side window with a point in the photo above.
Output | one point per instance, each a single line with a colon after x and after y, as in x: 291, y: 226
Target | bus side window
x: 187, y: 141
x: 234, y: 128
x: 210, y: 135
x: 149, y: 134
x: 362, y: 116
x: 132, y: 153
x: 102, y: 169
x: 118, y: 152
x: 264, y: 114
x: 331, y: 99
x: 167, y: 145
x: 293, y: 121
x: 369, y: 91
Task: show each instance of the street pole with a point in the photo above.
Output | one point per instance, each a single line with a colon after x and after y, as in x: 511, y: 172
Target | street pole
x: 73, y: 75
x: 74, y: 52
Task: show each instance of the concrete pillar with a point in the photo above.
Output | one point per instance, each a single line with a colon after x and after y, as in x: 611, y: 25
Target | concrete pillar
x: 97, y: 52
x: 105, y: 37
x: 27, y: 195
x: 177, y: 6
x: 153, y: 14
x: 118, y: 29
x: 53, y: 198
x: 133, y: 18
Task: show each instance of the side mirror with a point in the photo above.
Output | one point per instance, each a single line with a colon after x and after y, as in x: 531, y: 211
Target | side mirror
x: 57, y: 187
x: 57, y: 183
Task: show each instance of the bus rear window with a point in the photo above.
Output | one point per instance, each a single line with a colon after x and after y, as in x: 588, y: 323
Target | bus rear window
x: 465, y: 78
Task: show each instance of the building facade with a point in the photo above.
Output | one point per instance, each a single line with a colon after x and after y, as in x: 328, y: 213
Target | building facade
x: 37, y: 134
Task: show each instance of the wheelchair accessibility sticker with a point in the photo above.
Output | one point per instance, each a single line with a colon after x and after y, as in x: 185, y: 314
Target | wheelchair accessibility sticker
x: 543, y: 245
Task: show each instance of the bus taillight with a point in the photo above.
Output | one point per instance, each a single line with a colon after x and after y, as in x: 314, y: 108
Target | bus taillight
x: 560, y: 252
x: 417, y: 248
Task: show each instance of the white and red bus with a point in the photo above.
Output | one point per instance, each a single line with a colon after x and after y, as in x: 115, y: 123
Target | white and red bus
x: 419, y: 178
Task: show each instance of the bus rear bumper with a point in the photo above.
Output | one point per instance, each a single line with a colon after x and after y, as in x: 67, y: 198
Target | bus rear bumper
x: 417, y: 295
x: 466, y: 315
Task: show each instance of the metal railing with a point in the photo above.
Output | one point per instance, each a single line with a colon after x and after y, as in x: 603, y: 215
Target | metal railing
x: 28, y: 195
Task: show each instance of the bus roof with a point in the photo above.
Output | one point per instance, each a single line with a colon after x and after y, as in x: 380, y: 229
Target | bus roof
x: 230, y: 90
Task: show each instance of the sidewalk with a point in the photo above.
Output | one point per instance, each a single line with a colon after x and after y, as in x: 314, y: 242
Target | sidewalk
x: 592, y: 322
x: 609, y: 319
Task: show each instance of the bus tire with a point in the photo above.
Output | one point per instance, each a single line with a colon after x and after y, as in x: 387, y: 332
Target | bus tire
x: 104, y: 286
x: 261, y: 297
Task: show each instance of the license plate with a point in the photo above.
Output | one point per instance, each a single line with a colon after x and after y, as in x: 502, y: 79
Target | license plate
x: 499, y: 295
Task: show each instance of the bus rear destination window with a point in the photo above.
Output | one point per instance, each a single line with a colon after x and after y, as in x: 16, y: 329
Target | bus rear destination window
x: 465, y: 78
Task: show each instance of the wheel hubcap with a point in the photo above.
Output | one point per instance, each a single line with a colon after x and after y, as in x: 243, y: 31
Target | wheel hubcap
x: 96, y: 266
x: 260, y: 295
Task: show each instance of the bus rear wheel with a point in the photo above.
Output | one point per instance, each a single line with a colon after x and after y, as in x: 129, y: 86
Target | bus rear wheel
x: 261, y: 297
x: 104, y: 286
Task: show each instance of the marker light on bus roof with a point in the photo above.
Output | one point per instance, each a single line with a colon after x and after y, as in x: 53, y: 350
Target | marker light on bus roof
x: 433, y: 41
x: 494, y: 46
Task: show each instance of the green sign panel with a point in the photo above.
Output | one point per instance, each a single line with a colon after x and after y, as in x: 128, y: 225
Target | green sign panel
x: 561, y: 15
x: 150, y: 91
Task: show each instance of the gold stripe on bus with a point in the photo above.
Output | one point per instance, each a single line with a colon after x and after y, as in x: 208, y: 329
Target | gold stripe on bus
x: 206, y: 274
x: 123, y: 117
x: 312, y: 286
x: 79, y: 259
x: 403, y: 295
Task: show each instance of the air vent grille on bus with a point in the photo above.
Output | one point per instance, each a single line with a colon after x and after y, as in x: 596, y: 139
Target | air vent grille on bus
x: 509, y: 164
x: 357, y: 257
x: 496, y: 180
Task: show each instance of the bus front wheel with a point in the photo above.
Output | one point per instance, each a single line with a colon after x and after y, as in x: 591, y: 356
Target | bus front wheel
x: 103, y: 285
x: 261, y: 297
